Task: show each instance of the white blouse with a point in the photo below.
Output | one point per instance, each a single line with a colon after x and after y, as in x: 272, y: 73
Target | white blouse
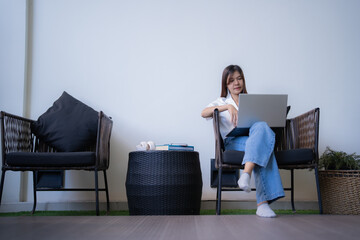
x: 225, y: 120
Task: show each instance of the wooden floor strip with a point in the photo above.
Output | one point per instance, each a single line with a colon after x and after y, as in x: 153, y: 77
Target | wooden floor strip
x: 225, y: 227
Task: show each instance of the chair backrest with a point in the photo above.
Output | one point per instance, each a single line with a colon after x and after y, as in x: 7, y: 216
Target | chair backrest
x: 280, y: 136
x: 219, y: 142
x: 303, y: 131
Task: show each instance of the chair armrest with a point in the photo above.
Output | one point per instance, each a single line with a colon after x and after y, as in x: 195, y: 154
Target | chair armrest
x: 16, y: 133
x: 103, y: 141
x: 303, y: 131
x: 219, y: 143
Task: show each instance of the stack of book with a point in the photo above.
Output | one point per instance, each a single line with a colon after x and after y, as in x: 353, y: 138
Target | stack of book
x: 175, y: 146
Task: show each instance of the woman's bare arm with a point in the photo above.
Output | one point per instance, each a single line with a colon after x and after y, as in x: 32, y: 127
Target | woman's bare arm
x: 208, y: 112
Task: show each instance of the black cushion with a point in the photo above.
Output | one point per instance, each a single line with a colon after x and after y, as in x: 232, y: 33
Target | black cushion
x: 294, y: 156
x: 68, y: 126
x: 58, y: 159
x: 233, y: 157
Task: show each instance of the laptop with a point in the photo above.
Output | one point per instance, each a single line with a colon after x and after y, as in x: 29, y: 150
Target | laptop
x: 270, y: 108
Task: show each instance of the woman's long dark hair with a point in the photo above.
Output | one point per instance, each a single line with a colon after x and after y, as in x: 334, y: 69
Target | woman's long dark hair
x: 229, y: 71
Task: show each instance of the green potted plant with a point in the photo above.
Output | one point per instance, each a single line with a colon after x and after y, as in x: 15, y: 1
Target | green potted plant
x: 339, y: 178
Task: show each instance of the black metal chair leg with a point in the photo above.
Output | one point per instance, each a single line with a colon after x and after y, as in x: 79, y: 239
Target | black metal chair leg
x: 107, y: 193
x: 34, y: 191
x: 292, y: 191
x: 318, y: 189
x: 2, y: 184
x: 218, y: 198
x: 97, y: 192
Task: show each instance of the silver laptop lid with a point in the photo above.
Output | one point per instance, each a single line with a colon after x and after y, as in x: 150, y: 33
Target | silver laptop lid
x: 270, y: 108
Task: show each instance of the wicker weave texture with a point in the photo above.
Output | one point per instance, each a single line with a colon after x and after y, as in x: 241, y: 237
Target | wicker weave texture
x: 340, y: 191
x: 303, y: 130
x: 17, y: 135
x: 164, y: 183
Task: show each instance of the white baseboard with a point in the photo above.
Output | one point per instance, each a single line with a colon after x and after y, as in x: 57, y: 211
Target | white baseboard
x: 210, y: 204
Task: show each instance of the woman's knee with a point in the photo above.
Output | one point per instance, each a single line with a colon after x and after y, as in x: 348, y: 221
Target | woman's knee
x: 260, y: 125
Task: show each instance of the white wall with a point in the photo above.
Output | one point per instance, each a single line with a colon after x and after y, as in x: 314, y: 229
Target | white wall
x: 12, y: 71
x: 154, y: 65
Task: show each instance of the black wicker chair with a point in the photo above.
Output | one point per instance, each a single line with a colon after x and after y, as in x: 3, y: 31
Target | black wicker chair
x: 296, y: 148
x: 22, y: 150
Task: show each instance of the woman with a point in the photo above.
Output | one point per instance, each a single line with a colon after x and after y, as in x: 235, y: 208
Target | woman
x: 258, y: 146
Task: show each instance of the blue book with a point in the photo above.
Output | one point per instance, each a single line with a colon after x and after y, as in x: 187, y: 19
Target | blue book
x: 182, y: 147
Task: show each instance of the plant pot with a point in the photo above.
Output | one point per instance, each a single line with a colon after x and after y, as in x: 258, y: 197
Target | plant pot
x: 340, y: 191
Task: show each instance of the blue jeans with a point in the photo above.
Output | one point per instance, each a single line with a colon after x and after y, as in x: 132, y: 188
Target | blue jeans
x: 258, y: 147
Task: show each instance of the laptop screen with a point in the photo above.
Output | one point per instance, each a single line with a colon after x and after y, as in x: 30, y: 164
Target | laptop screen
x: 269, y: 108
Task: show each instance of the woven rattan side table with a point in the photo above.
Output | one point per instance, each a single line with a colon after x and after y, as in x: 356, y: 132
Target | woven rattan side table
x: 164, y: 183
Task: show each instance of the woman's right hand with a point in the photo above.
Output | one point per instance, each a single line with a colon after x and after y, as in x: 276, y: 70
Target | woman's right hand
x: 233, y: 114
x: 208, y: 112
